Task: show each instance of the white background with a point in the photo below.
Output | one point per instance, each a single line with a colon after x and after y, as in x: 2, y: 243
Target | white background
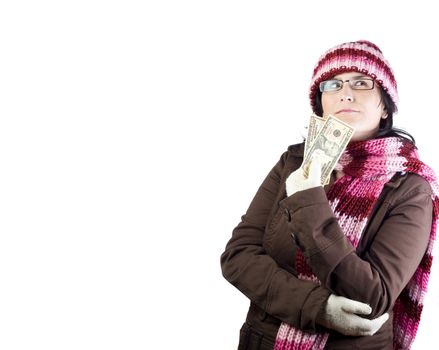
x: 133, y: 136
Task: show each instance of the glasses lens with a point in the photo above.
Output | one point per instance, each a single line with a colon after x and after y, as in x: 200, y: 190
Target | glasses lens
x: 331, y: 85
x: 361, y: 84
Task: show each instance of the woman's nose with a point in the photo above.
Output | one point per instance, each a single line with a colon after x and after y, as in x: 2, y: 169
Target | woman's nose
x: 347, y: 97
x: 346, y: 93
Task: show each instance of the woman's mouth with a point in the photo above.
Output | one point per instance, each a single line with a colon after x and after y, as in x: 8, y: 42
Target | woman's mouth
x: 346, y: 110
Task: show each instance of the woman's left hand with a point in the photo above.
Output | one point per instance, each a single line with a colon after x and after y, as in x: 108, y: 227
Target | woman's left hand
x: 298, y: 182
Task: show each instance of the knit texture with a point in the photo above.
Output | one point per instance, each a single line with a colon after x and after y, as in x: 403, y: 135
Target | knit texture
x: 359, y: 56
x: 368, y: 166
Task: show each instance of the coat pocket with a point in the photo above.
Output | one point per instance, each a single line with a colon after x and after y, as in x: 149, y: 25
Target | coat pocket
x: 251, y: 339
x: 279, y: 242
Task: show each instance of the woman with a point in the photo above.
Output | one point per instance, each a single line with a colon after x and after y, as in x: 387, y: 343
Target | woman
x: 346, y: 265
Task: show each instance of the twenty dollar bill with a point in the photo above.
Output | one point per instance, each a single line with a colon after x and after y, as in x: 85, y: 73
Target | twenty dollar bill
x: 315, y: 125
x: 328, y: 144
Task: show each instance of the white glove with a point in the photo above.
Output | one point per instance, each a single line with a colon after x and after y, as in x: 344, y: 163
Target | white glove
x: 341, y: 315
x: 298, y: 182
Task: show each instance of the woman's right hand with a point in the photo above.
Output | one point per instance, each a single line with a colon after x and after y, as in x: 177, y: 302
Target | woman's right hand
x: 297, y: 181
x: 342, y: 315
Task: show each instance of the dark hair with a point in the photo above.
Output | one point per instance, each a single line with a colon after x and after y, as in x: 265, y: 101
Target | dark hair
x: 386, y: 128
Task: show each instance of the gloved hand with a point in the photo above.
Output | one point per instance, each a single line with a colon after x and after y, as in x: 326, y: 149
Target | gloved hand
x: 341, y: 315
x: 298, y: 182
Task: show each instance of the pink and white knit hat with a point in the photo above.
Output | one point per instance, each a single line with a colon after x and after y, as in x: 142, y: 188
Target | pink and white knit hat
x: 360, y: 56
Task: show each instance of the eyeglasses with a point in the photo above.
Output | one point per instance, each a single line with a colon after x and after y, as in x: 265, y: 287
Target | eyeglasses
x: 355, y: 84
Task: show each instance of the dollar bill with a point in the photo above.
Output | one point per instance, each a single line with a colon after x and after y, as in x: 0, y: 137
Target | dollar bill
x: 328, y: 144
x: 315, y: 125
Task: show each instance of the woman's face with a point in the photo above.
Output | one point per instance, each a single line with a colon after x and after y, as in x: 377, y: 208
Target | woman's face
x: 362, y: 109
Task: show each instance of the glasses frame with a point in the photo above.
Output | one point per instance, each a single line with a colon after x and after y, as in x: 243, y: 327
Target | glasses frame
x: 350, y: 81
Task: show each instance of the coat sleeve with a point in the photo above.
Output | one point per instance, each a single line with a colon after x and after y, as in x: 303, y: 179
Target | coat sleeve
x: 378, y: 276
x: 247, y: 266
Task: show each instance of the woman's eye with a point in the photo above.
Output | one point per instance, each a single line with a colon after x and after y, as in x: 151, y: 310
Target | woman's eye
x: 360, y: 83
x: 364, y: 84
x: 334, y: 84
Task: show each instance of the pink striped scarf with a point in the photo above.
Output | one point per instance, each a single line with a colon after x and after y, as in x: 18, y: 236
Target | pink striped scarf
x: 368, y: 166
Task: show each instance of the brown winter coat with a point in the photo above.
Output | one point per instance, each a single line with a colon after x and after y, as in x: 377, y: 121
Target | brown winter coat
x: 259, y: 258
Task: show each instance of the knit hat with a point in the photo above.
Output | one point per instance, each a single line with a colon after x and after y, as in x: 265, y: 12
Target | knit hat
x: 360, y: 56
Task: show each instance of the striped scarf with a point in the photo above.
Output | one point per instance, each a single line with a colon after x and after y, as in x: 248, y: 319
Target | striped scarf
x: 368, y: 166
